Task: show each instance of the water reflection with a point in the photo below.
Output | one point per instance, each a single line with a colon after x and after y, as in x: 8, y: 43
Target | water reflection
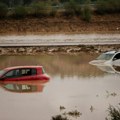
x: 109, y: 68
x: 23, y: 86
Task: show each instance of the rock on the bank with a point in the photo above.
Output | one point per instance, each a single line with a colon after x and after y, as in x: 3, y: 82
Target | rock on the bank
x: 56, y: 49
x: 21, y: 50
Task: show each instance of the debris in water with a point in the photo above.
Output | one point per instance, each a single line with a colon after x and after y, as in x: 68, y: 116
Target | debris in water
x: 62, y: 108
x: 74, y: 113
x: 114, y: 113
x: 92, y: 108
x: 59, y: 117
x: 111, y: 94
x: 97, y: 95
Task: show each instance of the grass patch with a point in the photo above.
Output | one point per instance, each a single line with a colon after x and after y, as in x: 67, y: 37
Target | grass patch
x: 114, y: 113
x: 59, y: 117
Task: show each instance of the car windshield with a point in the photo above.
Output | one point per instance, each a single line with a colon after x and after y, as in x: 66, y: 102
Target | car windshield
x: 2, y: 72
x: 105, y: 57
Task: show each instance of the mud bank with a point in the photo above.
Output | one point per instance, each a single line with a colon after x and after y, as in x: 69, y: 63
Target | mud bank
x: 99, y: 24
x: 57, y: 49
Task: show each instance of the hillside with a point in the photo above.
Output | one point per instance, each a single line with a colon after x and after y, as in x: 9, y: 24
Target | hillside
x: 99, y: 24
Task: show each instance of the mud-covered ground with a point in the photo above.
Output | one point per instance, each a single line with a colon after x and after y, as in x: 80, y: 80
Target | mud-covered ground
x: 99, y: 24
x: 58, y: 49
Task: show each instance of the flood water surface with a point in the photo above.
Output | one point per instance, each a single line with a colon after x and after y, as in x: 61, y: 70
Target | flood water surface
x: 74, y: 85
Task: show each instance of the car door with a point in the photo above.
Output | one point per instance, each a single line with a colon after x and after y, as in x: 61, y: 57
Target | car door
x: 22, y: 74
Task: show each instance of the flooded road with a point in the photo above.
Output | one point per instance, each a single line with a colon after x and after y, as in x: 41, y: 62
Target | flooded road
x: 74, y: 84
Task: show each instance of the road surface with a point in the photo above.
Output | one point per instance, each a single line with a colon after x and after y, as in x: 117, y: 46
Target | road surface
x: 59, y: 39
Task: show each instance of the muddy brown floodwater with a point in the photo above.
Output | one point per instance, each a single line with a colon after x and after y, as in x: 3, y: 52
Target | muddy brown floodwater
x: 74, y: 85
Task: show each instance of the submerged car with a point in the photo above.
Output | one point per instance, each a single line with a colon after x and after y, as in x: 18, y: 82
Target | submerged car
x: 109, y: 68
x: 111, y: 57
x: 24, y: 73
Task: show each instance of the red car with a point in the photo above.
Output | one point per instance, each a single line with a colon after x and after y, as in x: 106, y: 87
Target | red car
x: 23, y: 73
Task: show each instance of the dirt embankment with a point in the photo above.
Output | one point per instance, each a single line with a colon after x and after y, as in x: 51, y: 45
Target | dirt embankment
x: 99, y: 24
x: 57, y: 49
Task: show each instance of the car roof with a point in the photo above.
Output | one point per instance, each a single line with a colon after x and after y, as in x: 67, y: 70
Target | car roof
x: 19, y: 67
x: 112, y: 52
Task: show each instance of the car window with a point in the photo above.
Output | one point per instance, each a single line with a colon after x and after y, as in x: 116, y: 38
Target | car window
x: 24, y: 72
x: 105, y: 56
x: 10, y: 74
x: 28, y: 71
x: 117, y: 56
x: 34, y: 71
x: 21, y: 72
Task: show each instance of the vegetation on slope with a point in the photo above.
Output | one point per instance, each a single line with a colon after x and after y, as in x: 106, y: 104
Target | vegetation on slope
x: 45, y: 8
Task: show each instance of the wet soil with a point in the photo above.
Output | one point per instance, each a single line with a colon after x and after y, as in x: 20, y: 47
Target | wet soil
x: 76, y: 49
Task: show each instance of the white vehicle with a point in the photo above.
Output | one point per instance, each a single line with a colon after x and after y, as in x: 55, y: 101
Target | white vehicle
x: 107, y: 58
x: 109, y: 68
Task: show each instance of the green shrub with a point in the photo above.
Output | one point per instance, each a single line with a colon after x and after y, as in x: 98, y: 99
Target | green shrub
x: 114, y: 113
x: 59, y: 117
x: 55, y: 2
x: 19, y: 12
x: 41, y: 9
x: 86, y: 13
x: 72, y: 8
x: 78, y: 10
x: 3, y: 10
x: 108, y: 6
x: 53, y: 12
